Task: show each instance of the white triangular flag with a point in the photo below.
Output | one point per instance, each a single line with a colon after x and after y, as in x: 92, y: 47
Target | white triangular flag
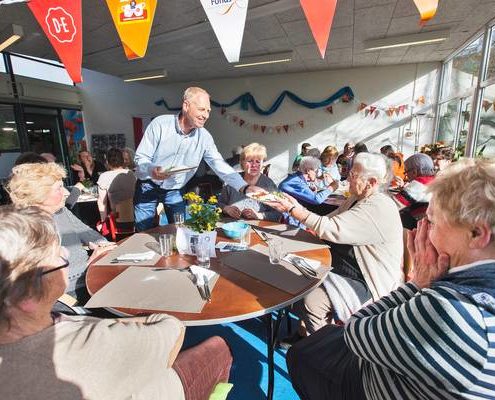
x: 227, y: 17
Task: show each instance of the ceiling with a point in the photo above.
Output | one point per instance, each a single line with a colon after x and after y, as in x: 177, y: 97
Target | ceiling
x: 183, y: 43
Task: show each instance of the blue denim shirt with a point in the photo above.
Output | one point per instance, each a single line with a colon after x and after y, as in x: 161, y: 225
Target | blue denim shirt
x: 165, y: 145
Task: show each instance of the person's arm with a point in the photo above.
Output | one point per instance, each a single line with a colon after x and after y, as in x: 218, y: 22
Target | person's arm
x: 75, y: 192
x: 102, y: 203
x: 84, y: 232
x: 302, y: 192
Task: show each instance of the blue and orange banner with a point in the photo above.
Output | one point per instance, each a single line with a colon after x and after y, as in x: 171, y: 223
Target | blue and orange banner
x: 427, y: 9
x: 319, y: 14
x: 133, y: 21
x: 61, y: 20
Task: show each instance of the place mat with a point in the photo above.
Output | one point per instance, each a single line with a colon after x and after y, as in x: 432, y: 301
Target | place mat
x: 293, y: 238
x: 137, y: 243
x: 255, y: 263
x: 143, y: 288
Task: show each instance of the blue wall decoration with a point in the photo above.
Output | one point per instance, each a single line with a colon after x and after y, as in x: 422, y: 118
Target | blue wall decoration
x: 247, y: 100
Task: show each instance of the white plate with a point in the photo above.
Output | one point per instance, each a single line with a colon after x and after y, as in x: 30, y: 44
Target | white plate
x: 264, y: 197
x: 178, y: 170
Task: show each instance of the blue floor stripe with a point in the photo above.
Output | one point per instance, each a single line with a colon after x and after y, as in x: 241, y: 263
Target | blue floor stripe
x: 249, y: 372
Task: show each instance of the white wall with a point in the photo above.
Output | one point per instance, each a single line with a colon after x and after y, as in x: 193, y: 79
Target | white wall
x: 383, y: 86
x: 109, y: 105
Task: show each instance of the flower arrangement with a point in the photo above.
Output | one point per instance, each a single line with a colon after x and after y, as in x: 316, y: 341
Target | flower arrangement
x: 203, y: 216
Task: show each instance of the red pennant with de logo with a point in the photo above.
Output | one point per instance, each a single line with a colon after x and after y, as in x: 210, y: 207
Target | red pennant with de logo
x: 61, y: 20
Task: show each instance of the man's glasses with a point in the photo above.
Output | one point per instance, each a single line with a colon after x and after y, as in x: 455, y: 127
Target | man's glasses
x: 64, y: 265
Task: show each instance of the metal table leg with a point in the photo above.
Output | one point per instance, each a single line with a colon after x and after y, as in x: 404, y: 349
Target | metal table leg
x: 271, y: 341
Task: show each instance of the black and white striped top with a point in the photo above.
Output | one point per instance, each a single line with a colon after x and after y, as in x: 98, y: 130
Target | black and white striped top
x: 438, y: 343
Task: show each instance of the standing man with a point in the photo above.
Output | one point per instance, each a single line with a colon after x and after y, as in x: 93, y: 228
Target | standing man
x: 172, y: 141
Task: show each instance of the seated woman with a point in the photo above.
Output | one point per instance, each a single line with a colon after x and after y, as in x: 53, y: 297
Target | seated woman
x: 397, y: 160
x: 431, y: 338
x: 46, y: 355
x: 365, y: 237
x: 128, y: 155
x: 89, y: 168
x: 235, y: 204
x: 303, y: 185
x: 329, y: 163
x: 413, y: 198
x: 41, y: 185
x: 115, y: 185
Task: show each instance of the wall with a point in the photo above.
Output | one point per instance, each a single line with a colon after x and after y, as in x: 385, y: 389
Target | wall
x: 382, y: 86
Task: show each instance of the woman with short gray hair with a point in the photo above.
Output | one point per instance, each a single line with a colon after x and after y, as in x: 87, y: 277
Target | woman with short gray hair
x: 365, y: 238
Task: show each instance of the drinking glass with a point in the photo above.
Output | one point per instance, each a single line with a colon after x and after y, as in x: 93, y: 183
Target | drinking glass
x: 166, y: 241
x: 178, y: 218
x: 203, y: 251
x: 275, y: 251
x: 245, y: 238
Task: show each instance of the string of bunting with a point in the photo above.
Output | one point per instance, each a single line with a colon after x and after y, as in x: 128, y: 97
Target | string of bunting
x: 374, y: 110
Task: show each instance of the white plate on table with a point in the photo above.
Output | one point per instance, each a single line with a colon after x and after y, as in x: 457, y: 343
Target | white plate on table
x: 263, y: 197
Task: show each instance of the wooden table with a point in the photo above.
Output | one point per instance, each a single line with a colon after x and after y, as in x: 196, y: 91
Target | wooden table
x: 235, y: 297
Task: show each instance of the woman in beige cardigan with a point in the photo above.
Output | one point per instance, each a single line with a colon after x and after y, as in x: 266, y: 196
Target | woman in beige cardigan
x: 365, y: 238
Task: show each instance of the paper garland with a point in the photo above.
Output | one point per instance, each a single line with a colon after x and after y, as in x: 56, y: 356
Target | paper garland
x: 373, y: 110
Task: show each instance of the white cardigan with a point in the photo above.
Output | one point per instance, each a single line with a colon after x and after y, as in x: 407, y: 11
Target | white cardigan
x: 373, y: 227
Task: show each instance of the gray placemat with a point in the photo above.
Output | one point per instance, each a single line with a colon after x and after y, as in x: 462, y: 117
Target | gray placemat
x: 143, y: 288
x: 137, y: 243
x: 254, y: 263
x: 293, y: 238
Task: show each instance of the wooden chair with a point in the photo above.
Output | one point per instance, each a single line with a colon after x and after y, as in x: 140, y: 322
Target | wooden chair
x: 121, y: 220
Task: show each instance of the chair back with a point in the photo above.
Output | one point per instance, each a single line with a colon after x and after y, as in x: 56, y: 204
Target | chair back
x: 266, y: 169
x: 121, y: 220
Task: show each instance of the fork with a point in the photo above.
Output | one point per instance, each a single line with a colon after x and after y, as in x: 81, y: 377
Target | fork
x: 194, y: 280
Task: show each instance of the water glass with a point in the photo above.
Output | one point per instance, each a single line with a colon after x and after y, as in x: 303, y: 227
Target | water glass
x: 178, y: 218
x: 166, y: 241
x: 203, y: 251
x: 275, y: 251
x: 245, y: 238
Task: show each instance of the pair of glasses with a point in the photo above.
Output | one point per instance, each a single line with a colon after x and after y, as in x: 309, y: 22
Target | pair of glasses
x: 64, y: 265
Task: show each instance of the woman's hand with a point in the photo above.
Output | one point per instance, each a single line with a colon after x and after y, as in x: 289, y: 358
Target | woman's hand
x: 232, y: 211
x: 99, y: 249
x: 429, y: 266
x: 249, y: 213
x: 283, y: 204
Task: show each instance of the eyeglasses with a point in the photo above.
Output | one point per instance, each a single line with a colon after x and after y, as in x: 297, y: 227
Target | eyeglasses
x: 64, y: 265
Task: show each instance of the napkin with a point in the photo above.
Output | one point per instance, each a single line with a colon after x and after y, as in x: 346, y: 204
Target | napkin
x: 314, y: 264
x: 148, y: 255
x: 201, y: 273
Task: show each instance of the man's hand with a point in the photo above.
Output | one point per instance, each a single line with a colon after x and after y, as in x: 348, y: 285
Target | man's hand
x: 249, y: 213
x: 429, y: 266
x: 159, y: 174
x: 232, y: 211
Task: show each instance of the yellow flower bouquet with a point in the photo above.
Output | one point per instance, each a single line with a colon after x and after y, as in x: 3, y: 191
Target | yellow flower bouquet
x: 203, y: 217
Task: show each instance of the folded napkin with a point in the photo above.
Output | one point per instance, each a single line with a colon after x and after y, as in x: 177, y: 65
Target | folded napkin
x: 148, y: 255
x: 314, y: 264
x: 201, y: 273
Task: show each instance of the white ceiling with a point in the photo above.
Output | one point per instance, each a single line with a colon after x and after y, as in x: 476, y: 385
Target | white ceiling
x: 183, y: 43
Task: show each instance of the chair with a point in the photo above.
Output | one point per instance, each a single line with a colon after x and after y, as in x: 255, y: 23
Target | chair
x: 266, y: 169
x: 121, y: 220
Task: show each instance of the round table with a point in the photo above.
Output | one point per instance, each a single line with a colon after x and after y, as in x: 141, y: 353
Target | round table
x: 235, y: 297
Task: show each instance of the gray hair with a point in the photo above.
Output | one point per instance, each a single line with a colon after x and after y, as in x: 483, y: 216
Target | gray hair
x: 307, y: 163
x: 192, y: 91
x: 374, y: 166
x: 421, y: 164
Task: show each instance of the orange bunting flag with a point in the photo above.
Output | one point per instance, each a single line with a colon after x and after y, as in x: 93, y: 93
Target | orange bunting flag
x: 241, y: 122
x: 377, y: 113
x: 301, y: 123
x: 366, y: 112
x: 235, y: 118
x: 362, y: 106
x: 278, y: 128
x: 319, y: 14
x: 223, y: 111
x: 61, y: 20
x: 486, y: 105
x: 263, y: 128
x: 255, y: 127
x: 421, y: 100
x: 286, y: 128
x: 427, y: 9
x: 133, y: 21
x: 346, y: 98
x: 330, y: 109
x: 372, y: 109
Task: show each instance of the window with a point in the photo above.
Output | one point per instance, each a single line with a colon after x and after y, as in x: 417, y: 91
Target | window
x: 9, y: 140
x: 448, y: 116
x: 466, y: 110
x: 485, y: 144
x: 491, y: 57
x: 38, y: 68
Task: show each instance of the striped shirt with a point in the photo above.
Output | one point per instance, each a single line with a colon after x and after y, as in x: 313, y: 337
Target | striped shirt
x: 437, y: 343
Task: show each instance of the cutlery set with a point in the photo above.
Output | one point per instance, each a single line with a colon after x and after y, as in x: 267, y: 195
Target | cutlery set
x: 203, y: 288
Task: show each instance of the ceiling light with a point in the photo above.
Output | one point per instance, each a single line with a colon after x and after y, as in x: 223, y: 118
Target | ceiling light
x: 143, y: 76
x: 264, y: 59
x: 10, y: 35
x: 7, y: 129
x: 406, y: 40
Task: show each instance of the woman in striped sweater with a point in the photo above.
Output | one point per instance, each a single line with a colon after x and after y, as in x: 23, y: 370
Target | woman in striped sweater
x: 434, y: 337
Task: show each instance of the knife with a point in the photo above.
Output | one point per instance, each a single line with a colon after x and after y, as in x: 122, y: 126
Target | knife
x: 207, y: 288
x: 262, y: 235
x: 307, y: 272
x: 194, y: 280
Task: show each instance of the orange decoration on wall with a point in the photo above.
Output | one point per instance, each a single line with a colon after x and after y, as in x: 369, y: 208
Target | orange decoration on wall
x: 319, y: 14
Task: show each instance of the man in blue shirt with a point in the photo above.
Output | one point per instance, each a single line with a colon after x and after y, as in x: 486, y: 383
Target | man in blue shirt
x: 177, y: 141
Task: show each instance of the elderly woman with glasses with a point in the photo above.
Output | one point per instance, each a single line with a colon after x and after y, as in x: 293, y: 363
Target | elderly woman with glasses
x: 235, y: 204
x: 433, y: 337
x: 365, y: 238
x: 41, y: 185
x: 46, y: 355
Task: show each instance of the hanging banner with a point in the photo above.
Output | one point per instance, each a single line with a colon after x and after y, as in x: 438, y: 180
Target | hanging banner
x: 61, y: 20
x: 227, y: 18
x: 427, y: 9
x: 133, y: 21
x: 319, y: 14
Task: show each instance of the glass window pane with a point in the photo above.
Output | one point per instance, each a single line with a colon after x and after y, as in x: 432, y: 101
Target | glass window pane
x: 448, y: 122
x: 465, y: 69
x: 485, y: 143
x: 9, y: 140
x: 2, y: 64
x: 39, y: 70
x: 466, y: 109
x: 491, y: 60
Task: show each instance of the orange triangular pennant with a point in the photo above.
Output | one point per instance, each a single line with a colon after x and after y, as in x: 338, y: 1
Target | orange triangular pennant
x: 319, y: 14
x: 427, y: 9
x: 278, y: 128
x: 241, y: 122
x: 330, y: 109
x: 133, y: 21
x: 61, y: 20
x: 301, y: 123
x: 263, y: 128
x: 286, y: 128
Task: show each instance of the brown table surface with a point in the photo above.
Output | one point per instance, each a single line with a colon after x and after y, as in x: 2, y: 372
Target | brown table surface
x: 235, y: 297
